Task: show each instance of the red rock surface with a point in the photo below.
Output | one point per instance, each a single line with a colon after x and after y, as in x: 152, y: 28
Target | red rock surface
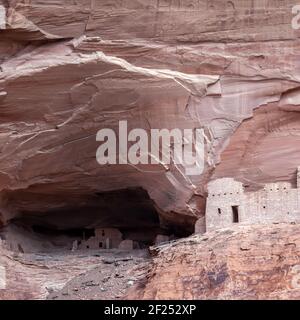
x: 70, y: 68
x: 253, y: 262
x: 257, y: 262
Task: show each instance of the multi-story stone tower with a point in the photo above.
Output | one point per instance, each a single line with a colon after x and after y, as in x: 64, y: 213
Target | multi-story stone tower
x: 229, y: 204
x: 225, y: 203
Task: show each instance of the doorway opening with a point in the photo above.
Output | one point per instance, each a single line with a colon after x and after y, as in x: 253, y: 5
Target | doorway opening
x: 235, y: 214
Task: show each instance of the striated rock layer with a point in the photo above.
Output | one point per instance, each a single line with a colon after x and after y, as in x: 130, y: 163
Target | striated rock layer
x: 70, y: 68
x: 258, y: 262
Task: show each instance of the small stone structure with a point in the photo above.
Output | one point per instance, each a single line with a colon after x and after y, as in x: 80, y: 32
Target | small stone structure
x: 161, y: 239
x: 200, y: 226
x: 75, y: 245
x: 126, y: 245
x: 229, y: 204
x: 105, y: 238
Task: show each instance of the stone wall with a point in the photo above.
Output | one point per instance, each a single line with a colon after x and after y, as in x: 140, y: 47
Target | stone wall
x: 222, y: 195
x: 106, y: 238
x: 229, y: 203
x: 200, y: 226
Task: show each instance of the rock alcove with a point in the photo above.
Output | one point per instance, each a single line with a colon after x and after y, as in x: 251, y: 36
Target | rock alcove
x: 123, y: 219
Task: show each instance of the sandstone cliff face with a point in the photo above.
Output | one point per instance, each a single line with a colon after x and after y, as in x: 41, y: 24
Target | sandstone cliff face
x: 71, y: 68
x: 258, y: 262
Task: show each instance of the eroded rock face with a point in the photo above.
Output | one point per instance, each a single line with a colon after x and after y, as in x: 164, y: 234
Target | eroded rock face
x: 71, y: 68
x: 257, y: 262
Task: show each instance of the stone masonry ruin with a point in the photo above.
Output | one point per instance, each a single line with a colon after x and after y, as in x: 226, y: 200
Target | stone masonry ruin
x: 228, y: 203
